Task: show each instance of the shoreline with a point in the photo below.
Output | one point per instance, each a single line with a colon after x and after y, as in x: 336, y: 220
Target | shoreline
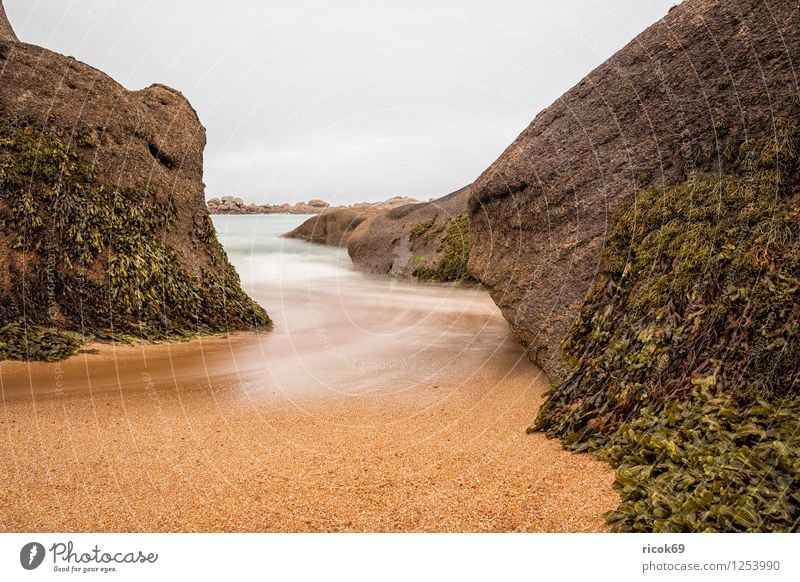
x: 218, y: 454
x: 374, y: 405
x: 201, y: 436
x: 91, y: 367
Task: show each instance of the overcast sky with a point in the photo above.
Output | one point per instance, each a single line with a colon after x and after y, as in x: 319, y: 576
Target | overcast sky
x: 345, y: 100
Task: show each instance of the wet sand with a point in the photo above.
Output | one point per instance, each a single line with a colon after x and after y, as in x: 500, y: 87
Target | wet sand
x: 213, y: 435
x: 373, y: 406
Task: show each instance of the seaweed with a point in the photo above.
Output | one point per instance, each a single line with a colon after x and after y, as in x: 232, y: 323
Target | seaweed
x: 692, y: 323
x: 455, y: 248
x: 705, y: 464
x: 18, y: 342
x: 420, y: 229
x: 92, y: 257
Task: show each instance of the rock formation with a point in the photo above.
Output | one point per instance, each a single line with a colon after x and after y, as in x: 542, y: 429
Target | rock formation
x: 677, y: 101
x: 427, y: 240
x: 400, y: 237
x: 105, y: 227
x: 333, y: 227
x: 236, y: 205
x: 685, y: 358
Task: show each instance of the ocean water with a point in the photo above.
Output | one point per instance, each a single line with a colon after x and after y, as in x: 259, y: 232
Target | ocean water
x: 288, y: 271
x: 341, y: 330
x: 263, y: 258
x: 337, y: 331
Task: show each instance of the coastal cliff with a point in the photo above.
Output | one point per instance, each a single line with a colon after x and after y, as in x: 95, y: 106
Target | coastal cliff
x: 105, y: 226
x: 679, y: 100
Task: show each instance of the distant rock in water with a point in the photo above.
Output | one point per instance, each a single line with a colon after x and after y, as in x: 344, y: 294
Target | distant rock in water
x: 235, y: 205
x: 335, y: 224
x: 400, y: 237
x: 105, y: 226
x: 429, y: 240
x: 333, y: 227
x: 679, y: 100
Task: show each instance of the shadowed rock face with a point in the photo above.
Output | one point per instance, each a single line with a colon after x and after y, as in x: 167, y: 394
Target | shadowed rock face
x: 674, y: 103
x: 101, y: 200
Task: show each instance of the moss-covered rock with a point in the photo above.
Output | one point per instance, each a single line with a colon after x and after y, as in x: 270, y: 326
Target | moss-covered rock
x: 104, y: 230
x: 452, y: 249
x: 685, y: 357
x: 675, y: 102
x: 428, y: 241
x: 86, y: 256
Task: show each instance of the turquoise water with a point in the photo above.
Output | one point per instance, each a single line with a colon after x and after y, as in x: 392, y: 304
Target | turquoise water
x: 264, y: 259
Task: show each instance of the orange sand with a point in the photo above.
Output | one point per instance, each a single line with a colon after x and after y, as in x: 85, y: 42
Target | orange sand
x: 340, y: 420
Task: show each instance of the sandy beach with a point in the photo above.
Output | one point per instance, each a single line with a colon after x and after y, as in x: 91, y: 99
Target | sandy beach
x: 373, y: 406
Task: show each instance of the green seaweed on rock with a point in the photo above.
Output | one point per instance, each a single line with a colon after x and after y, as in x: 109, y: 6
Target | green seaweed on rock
x: 97, y: 257
x: 421, y: 229
x: 455, y: 248
x: 706, y: 464
x: 20, y: 343
x: 685, y: 356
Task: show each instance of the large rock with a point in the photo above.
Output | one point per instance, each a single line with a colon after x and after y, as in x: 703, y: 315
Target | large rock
x: 400, y: 237
x: 675, y: 102
x: 333, y: 227
x: 426, y: 240
x: 105, y: 227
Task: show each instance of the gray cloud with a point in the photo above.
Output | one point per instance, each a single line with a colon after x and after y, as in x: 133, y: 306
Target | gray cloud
x: 345, y: 100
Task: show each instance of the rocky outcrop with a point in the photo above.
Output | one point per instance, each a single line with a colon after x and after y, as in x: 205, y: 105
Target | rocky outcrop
x: 685, y: 358
x: 105, y: 227
x: 333, y: 227
x: 427, y: 240
x: 400, y: 237
x: 677, y: 101
x: 236, y: 205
